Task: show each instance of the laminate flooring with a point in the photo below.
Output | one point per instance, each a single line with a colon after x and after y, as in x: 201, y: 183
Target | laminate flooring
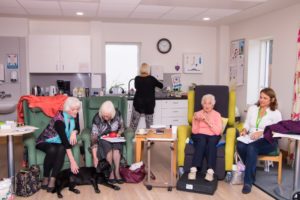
x: 160, y: 166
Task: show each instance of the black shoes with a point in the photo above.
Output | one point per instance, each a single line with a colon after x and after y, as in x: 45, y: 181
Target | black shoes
x: 246, y: 189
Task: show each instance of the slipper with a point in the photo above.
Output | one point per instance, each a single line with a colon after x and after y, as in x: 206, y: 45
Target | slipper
x: 209, y: 175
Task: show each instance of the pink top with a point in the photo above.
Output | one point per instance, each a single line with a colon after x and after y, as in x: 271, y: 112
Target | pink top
x: 213, y: 127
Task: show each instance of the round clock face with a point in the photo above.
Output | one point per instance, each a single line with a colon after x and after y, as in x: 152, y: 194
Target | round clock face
x: 164, y: 45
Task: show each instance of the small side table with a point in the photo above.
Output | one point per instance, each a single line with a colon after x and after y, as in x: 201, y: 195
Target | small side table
x: 10, y: 133
x: 289, y: 193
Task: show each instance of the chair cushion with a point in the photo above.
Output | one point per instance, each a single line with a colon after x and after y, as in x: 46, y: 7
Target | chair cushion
x: 274, y: 153
x: 224, y: 124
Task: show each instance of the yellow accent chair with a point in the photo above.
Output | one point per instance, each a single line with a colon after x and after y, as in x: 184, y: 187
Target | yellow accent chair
x: 184, y: 131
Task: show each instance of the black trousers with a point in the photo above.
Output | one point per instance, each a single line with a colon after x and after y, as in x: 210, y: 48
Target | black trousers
x: 55, y: 156
x: 205, y: 145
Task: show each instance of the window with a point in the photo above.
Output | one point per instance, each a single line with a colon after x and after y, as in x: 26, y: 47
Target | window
x: 121, y: 63
x: 259, y: 68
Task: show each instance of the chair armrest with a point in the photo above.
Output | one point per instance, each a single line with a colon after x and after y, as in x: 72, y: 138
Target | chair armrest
x: 230, y: 148
x: 86, y: 140
x: 129, y: 135
x: 183, y: 132
x: 29, y: 143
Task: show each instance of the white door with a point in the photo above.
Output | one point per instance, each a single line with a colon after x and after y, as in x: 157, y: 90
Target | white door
x: 44, y: 53
x: 75, y: 54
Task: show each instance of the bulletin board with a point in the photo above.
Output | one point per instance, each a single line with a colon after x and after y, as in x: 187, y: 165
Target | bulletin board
x: 237, y: 62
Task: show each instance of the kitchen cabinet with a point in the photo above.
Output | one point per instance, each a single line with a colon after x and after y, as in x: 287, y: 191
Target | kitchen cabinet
x: 166, y: 112
x: 59, y: 54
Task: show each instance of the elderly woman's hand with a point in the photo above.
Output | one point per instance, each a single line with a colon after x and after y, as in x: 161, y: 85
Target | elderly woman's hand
x: 73, y: 138
x: 243, y: 132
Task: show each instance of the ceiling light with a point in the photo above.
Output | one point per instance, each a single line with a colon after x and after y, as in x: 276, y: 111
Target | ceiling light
x: 79, y: 13
x: 205, y: 18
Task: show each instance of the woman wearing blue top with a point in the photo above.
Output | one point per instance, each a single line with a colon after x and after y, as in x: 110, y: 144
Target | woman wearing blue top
x: 57, y: 140
x: 259, y: 116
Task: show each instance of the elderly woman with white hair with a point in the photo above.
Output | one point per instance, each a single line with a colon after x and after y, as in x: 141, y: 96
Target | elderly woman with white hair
x: 57, y: 139
x: 206, y: 131
x: 107, y: 120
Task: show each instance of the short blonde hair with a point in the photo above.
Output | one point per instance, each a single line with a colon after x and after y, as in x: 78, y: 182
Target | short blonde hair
x: 71, y: 102
x: 208, y: 97
x: 145, y: 69
x: 107, y: 107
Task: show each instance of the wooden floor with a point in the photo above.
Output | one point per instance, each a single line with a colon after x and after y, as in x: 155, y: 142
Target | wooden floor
x: 160, y: 167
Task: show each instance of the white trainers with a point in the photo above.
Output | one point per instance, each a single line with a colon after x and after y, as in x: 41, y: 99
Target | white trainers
x: 192, y: 174
x: 209, y: 175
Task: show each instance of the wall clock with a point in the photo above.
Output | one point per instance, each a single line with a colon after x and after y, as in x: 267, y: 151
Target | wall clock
x: 164, y: 45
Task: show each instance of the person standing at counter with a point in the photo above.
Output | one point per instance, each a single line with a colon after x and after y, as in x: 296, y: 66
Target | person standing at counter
x: 144, y: 98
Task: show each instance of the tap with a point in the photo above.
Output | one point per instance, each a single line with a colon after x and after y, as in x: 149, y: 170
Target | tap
x: 128, y: 91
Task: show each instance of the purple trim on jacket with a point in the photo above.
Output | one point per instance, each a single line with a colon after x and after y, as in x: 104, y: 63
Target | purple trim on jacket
x: 49, y: 131
x: 284, y: 127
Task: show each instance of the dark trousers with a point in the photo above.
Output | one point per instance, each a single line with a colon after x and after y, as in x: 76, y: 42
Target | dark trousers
x: 205, y: 145
x: 54, y: 159
x: 249, y: 154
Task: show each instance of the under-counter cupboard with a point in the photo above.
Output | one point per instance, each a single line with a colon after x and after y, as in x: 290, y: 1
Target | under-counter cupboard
x: 166, y: 112
x: 59, y: 54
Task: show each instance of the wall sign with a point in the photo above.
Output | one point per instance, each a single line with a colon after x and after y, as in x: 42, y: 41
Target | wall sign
x: 237, y: 62
x: 12, y: 61
x: 192, y: 63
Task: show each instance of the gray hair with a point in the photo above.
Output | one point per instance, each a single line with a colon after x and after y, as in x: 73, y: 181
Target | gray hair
x: 107, y: 107
x: 210, y: 98
x: 71, y: 102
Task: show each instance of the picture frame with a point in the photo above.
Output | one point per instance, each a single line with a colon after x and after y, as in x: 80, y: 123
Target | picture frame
x: 193, y: 63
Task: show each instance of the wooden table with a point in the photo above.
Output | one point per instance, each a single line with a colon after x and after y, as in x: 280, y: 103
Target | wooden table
x: 165, y: 137
x: 10, y: 133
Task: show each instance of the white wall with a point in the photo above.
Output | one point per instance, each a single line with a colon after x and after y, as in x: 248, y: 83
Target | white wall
x: 13, y: 27
x: 185, y: 39
x: 283, y: 27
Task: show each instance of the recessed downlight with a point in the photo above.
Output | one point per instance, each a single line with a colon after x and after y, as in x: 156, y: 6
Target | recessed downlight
x: 79, y: 13
x: 205, y: 18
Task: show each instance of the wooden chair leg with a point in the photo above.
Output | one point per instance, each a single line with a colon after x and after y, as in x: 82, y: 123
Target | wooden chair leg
x: 280, y: 169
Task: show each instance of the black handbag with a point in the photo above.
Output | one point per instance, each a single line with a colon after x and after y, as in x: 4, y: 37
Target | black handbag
x: 27, y: 181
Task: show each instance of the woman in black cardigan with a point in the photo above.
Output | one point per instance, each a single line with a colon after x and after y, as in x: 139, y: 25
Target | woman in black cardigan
x: 144, y: 98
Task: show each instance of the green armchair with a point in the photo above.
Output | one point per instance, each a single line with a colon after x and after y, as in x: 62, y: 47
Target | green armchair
x: 36, y: 117
x: 90, y: 108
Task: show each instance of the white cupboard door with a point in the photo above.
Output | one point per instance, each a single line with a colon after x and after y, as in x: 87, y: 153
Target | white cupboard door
x: 44, y: 53
x: 75, y: 54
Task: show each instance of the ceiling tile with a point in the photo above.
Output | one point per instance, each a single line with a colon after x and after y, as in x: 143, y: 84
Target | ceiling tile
x: 79, y: 6
x: 87, y: 13
x: 116, y: 2
x: 114, y: 14
x: 183, y: 13
x: 215, y: 14
x: 39, y: 4
x: 150, y: 12
x: 13, y: 11
x: 44, y: 12
x: 9, y: 4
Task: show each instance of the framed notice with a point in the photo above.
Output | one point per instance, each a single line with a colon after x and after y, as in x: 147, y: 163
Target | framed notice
x: 192, y: 63
x: 12, y: 61
x: 237, y: 62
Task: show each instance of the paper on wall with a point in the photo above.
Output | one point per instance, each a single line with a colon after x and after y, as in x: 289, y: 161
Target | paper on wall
x: 1, y: 72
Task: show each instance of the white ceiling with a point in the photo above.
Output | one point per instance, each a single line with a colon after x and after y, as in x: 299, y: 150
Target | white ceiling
x: 145, y: 11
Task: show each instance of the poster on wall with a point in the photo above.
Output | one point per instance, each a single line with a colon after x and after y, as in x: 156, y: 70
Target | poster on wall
x: 192, y: 63
x: 237, y: 62
x: 12, y: 61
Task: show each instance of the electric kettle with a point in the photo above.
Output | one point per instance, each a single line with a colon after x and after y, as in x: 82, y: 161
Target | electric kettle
x: 53, y: 90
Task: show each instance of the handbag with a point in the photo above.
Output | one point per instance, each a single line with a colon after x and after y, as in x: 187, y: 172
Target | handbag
x: 238, y: 172
x: 132, y: 176
x: 27, y: 181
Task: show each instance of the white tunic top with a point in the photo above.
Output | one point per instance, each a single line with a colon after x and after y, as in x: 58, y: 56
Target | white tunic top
x: 271, y: 117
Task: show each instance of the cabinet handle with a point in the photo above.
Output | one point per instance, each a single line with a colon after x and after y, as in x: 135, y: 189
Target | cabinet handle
x: 63, y: 67
x: 56, y: 67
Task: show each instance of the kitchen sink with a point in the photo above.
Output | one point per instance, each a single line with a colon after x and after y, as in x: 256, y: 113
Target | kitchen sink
x: 7, y: 107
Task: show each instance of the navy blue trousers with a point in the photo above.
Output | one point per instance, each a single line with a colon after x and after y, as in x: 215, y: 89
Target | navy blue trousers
x: 205, y: 145
x: 249, y: 154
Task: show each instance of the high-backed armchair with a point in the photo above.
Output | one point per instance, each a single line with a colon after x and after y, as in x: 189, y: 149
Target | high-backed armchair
x: 194, y: 104
x: 36, y: 117
x: 91, y: 106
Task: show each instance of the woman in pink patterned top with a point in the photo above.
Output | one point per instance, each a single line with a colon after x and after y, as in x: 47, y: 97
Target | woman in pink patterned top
x: 206, y: 131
